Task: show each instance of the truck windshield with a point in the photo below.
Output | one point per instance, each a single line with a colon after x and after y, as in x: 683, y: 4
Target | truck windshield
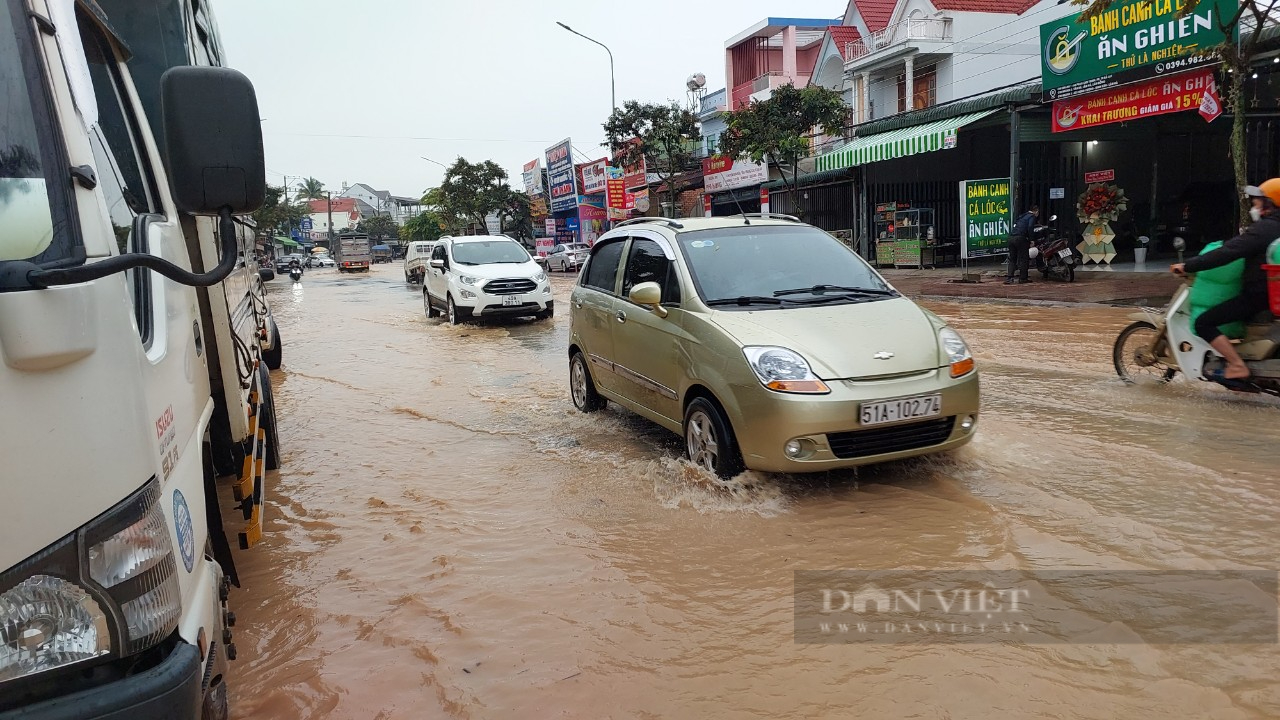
x: 487, y: 252
x: 31, y: 210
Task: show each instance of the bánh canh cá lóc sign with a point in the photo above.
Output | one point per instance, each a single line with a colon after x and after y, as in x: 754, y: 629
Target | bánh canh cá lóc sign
x: 1176, y: 93
x: 985, y: 217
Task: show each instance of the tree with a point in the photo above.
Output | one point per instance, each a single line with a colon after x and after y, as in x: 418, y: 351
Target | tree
x: 515, y: 216
x: 471, y: 192
x: 277, y: 215
x: 778, y: 131
x: 434, y: 201
x: 379, y: 227
x: 1251, y: 16
x: 311, y: 189
x: 664, y: 136
x: 423, y: 227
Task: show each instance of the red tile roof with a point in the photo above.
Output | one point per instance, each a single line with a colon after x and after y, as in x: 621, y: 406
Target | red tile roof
x: 876, y: 13
x: 339, y: 205
x: 842, y: 34
x: 1002, y: 7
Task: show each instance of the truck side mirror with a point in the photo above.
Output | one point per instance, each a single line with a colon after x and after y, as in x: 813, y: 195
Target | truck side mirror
x: 213, y: 140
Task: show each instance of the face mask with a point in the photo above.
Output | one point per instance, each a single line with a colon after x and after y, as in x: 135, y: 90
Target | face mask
x: 1255, y: 214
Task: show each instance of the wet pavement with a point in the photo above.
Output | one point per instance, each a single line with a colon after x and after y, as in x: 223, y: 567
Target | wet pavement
x: 449, y: 537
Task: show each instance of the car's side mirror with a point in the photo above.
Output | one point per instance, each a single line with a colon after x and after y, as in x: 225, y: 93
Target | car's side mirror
x: 648, y: 294
x: 213, y: 139
x: 437, y: 264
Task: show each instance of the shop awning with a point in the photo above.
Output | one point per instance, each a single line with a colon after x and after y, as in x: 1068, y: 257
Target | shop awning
x: 287, y: 242
x: 912, y: 140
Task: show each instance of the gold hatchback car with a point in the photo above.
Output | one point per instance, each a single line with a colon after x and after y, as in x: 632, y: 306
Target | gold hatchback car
x: 768, y: 344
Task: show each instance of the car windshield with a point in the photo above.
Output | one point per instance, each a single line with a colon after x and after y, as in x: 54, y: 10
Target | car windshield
x: 488, y: 252
x: 776, y: 266
x: 29, y: 196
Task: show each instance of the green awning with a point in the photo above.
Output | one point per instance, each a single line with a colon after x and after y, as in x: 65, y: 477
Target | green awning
x: 287, y: 242
x: 912, y: 140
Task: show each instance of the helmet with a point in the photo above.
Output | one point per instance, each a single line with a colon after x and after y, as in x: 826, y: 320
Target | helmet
x: 1034, y: 252
x: 1269, y: 190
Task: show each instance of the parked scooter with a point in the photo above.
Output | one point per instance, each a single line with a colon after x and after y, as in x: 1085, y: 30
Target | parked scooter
x: 1160, y: 345
x: 1053, y: 254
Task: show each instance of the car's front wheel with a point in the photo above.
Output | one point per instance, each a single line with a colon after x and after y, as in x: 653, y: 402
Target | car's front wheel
x: 456, y: 314
x: 709, y: 440
x: 585, y: 397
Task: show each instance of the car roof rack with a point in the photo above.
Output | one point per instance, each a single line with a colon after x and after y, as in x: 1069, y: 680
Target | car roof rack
x: 777, y: 216
x: 666, y: 221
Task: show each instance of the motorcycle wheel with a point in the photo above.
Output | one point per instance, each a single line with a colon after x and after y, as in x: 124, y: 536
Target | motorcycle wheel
x: 1135, y: 354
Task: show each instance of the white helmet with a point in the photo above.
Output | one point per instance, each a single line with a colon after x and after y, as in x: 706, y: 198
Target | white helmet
x: 1033, y: 253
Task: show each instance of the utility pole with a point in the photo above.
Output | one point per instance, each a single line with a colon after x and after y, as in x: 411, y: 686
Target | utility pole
x: 328, y: 196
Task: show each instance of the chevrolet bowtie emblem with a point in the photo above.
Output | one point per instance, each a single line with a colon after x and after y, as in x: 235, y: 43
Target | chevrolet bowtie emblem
x: 883, y: 355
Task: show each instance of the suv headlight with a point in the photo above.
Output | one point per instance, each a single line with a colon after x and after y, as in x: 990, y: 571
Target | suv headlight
x: 539, y: 277
x: 110, y: 588
x: 783, y: 370
x: 957, y: 351
x: 468, y: 280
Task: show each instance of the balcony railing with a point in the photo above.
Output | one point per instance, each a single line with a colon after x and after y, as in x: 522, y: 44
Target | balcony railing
x: 769, y: 80
x: 714, y: 101
x: 935, y: 29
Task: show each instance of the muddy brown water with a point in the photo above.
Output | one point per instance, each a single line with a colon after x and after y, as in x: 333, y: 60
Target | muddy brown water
x: 449, y: 537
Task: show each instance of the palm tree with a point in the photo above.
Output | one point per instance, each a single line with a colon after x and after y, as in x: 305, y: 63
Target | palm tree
x: 311, y: 189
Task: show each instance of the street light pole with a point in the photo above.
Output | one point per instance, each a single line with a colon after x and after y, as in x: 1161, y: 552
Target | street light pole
x: 613, y: 95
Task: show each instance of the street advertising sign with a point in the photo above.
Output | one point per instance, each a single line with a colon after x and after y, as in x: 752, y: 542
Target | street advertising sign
x: 706, y: 206
x: 538, y: 205
x: 985, y: 217
x: 306, y: 224
x: 544, y: 245
x: 1057, y: 193
x: 721, y: 172
x: 764, y: 200
x: 561, y: 175
x: 532, y: 176
x: 591, y: 219
x: 641, y: 202
x: 633, y: 176
x: 595, y: 177
x: 1135, y: 40
x: 615, y: 197
x: 550, y: 225
x: 1210, y: 105
x: 1099, y: 176
x: 1175, y: 93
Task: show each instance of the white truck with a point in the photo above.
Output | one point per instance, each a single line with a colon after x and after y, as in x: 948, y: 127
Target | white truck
x: 135, y: 341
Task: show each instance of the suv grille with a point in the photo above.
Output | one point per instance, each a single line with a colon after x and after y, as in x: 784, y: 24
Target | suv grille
x: 510, y: 286
x: 864, y: 443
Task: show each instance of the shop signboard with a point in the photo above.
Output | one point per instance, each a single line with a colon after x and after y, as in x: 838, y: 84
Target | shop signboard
x: 1057, y: 193
x: 985, y: 218
x: 563, y: 179
x: 595, y: 176
x: 538, y: 206
x: 1132, y: 41
x: 1099, y: 176
x: 907, y: 252
x: 591, y: 219
x: 764, y: 200
x: 544, y: 245
x: 1163, y: 95
x: 550, y: 225
x: 633, y: 176
x: 641, y: 201
x: 721, y: 172
x: 532, y: 177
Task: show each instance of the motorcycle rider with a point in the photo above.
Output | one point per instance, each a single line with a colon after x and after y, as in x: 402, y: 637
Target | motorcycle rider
x: 1020, y: 245
x: 1251, y: 245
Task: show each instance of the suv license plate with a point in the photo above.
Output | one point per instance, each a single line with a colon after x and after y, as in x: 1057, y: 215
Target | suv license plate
x: 512, y: 300
x: 911, y: 408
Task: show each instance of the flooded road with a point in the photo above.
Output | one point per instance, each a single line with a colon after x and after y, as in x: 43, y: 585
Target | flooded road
x: 449, y: 537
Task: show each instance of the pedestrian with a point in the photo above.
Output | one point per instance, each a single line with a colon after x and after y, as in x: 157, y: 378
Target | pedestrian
x: 1020, y: 246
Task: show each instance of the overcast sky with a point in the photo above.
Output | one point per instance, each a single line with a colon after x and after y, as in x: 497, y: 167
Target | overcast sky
x: 358, y: 91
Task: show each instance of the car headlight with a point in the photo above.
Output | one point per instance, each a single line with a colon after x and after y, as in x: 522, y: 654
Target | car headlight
x: 468, y: 280
x: 783, y: 370
x: 957, y: 351
x: 109, y: 588
x: 540, y: 277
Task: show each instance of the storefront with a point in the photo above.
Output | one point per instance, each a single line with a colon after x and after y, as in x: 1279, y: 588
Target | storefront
x: 733, y: 185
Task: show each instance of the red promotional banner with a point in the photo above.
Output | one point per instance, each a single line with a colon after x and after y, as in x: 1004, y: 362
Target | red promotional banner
x: 616, y: 194
x: 1100, y: 176
x: 1175, y: 93
x: 634, y: 176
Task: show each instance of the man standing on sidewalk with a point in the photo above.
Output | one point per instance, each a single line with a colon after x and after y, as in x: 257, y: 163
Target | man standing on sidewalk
x: 1020, y: 246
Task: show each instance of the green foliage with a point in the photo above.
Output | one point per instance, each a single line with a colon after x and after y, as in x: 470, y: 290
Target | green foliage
x: 471, y: 191
x: 425, y: 227
x: 777, y: 131
x: 311, y: 189
x: 379, y: 227
x: 277, y: 214
x: 665, y: 136
x: 515, y: 216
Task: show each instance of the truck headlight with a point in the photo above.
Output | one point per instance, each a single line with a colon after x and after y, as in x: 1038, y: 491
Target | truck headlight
x: 957, y: 351
x: 783, y: 370
x: 109, y: 588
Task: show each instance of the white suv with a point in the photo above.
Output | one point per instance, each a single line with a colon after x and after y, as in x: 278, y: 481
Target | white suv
x: 485, y: 276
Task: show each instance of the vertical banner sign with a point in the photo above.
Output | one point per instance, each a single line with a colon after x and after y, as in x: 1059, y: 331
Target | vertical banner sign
x: 533, y: 177
x: 764, y: 200
x: 615, y: 197
x: 550, y: 226
x: 706, y: 206
x: 563, y: 179
x: 635, y: 176
x: 985, y: 218
x: 1134, y: 40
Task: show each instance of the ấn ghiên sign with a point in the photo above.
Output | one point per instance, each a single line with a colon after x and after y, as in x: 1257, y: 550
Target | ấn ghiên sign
x: 985, y: 217
x: 1176, y: 93
x: 1132, y: 41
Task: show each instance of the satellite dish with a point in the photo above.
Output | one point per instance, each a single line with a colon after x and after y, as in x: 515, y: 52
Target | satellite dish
x: 696, y: 81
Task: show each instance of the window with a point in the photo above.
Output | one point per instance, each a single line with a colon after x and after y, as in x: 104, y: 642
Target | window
x: 925, y: 90
x: 647, y: 263
x: 123, y: 175
x: 602, y: 268
x: 440, y: 254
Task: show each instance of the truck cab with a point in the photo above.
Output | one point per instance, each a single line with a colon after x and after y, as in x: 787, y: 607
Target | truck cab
x: 135, y: 338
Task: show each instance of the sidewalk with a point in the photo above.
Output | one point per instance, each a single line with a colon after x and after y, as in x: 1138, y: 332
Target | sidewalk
x: 1113, y: 287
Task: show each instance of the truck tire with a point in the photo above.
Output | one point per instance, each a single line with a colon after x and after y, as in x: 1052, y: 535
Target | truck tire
x: 269, y: 423
x: 275, y: 356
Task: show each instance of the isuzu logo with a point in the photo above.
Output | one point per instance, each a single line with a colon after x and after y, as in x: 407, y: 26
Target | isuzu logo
x: 883, y: 355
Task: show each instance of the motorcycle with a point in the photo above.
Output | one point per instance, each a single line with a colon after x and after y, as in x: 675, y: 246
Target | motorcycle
x: 295, y: 273
x: 1161, y: 344
x: 1053, y: 254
